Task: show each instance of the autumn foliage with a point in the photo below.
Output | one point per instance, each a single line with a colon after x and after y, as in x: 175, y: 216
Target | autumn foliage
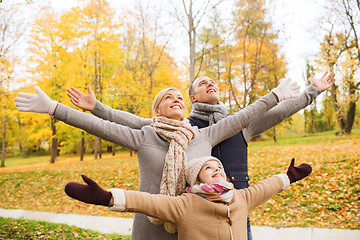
x: 329, y: 197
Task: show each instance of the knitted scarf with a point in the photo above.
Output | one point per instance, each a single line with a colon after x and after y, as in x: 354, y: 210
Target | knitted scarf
x: 173, y: 183
x: 208, y: 112
x: 217, y: 192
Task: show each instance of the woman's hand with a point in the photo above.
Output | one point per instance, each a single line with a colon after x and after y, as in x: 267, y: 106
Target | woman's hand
x: 81, y: 100
x: 324, y: 82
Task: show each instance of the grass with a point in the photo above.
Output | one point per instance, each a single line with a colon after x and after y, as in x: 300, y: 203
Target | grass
x: 329, y: 197
x: 33, y: 159
x: 322, y: 138
x: 30, y: 229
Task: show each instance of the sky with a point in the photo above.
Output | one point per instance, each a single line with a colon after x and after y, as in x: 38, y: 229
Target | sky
x: 300, y: 21
x: 297, y: 19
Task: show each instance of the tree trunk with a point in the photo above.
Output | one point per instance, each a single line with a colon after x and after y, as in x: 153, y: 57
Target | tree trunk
x: 82, y: 146
x: 4, y: 138
x: 100, y: 148
x: 96, y: 147
x: 350, y: 116
x: 192, y: 43
x: 95, y: 92
x: 150, y: 95
x: 338, y: 110
x: 274, y: 133
x: 54, y: 142
x: 114, y: 149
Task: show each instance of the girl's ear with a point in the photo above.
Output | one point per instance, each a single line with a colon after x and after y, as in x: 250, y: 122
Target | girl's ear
x: 157, y: 112
x: 197, y: 181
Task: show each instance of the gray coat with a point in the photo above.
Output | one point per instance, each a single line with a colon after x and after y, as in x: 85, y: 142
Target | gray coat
x: 270, y: 119
x: 151, y: 149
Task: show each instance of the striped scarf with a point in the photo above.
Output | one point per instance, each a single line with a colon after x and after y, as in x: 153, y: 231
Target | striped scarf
x: 208, y: 112
x: 179, y: 135
x: 217, y: 192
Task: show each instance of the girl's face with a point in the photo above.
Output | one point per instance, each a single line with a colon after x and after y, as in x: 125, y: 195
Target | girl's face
x: 171, y: 106
x: 212, y: 172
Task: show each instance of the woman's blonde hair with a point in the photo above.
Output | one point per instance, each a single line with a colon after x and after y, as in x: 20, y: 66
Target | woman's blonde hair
x: 159, y: 97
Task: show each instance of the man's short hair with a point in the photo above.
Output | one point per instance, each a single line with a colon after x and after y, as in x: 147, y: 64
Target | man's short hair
x: 191, y: 89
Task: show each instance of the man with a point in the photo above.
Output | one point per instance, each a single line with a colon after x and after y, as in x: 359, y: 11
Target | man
x: 207, y: 110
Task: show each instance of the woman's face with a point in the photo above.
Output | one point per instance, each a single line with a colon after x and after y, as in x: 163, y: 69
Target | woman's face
x: 171, y: 105
x: 212, y: 172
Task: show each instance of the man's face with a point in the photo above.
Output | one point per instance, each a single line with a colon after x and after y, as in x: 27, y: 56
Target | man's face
x: 206, y: 91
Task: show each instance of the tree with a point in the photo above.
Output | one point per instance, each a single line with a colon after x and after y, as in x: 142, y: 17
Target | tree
x: 218, y: 58
x: 96, y: 50
x: 190, y: 19
x: 152, y: 50
x: 340, y: 50
x: 310, y: 114
x: 147, y: 59
x: 48, y: 52
x: 259, y: 56
x: 97, y: 17
x: 12, y: 28
x: 70, y: 49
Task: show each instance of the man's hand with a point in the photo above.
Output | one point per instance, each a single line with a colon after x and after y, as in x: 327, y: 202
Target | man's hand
x: 81, y: 100
x: 37, y: 103
x: 324, y: 82
x: 286, y: 89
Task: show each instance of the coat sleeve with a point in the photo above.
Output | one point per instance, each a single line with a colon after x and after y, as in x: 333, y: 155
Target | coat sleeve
x: 262, y: 191
x: 104, y: 129
x: 171, y: 209
x: 233, y: 124
x: 282, y: 111
x: 121, y: 117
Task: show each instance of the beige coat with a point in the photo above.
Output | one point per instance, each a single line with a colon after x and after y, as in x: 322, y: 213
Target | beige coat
x: 198, y: 218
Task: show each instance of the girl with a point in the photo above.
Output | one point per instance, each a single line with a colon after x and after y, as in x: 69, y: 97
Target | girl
x: 212, y: 208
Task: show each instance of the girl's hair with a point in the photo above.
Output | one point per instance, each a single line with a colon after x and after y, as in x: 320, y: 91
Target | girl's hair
x: 159, y: 97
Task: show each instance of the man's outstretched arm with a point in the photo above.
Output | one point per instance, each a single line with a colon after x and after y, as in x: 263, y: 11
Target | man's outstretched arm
x: 289, y: 107
x: 88, y: 102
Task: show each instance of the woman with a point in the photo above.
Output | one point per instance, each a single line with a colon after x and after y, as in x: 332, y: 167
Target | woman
x: 212, y: 209
x: 163, y: 147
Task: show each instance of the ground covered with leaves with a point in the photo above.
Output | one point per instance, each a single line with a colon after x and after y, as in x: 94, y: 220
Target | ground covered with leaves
x: 329, y: 197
